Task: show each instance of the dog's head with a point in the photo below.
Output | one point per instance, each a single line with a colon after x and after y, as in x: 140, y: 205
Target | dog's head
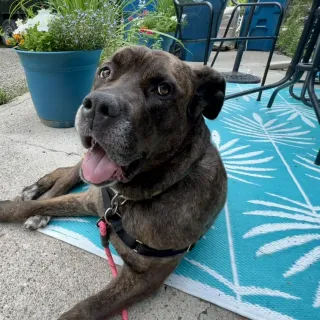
x: 143, y: 105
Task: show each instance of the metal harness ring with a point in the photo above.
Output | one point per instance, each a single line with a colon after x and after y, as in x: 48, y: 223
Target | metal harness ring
x: 114, y: 207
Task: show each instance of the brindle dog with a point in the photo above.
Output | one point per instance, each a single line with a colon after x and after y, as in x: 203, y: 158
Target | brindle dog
x: 147, y: 141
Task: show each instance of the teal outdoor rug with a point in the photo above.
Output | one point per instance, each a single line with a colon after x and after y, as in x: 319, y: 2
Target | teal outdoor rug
x: 261, y: 259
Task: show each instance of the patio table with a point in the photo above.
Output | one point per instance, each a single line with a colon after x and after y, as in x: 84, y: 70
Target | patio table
x: 235, y: 75
x: 305, y: 60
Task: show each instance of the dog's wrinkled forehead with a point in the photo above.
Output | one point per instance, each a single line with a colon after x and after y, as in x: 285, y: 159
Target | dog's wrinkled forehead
x: 133, y: 57
x: 142, y: 58
x: 146, y: 64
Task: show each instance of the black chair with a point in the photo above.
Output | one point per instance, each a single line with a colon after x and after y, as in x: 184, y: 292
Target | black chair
x: 305, y: 60
x: 213, y: 26
x: 238, y: 77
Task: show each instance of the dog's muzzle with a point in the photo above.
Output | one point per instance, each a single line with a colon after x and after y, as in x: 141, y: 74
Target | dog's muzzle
x: 100, y: 106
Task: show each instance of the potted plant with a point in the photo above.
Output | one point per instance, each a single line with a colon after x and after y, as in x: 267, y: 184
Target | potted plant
x: 155, y: 28
x: 59, y: 48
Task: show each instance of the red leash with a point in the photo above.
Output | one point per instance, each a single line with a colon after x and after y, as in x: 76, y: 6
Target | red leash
x: 103, y: 233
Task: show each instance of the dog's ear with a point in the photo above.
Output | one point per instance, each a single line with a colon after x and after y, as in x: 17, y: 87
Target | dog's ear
x: 209, y: 93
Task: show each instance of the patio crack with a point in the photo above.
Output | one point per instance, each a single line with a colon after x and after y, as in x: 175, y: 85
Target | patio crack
x: 16, y: 102
x: 204, y: 312
x: 44, y: 148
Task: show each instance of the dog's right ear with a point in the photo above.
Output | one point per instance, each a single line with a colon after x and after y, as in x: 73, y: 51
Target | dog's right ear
x: 210, y: 92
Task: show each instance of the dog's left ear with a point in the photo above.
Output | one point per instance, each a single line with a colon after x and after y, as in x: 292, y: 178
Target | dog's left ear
x: 210, y: 93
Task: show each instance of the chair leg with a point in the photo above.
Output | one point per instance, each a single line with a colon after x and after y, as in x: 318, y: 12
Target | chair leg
x: 317, y: 161
x: 264, y: 78
x: 295, y: 78
x: 315, y: 103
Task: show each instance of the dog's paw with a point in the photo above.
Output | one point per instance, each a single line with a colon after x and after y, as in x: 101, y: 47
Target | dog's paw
x: 36, y: 222
x: 30, y: 192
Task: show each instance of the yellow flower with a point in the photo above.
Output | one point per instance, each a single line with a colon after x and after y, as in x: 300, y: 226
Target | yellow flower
x: 17, y: 37
x: 21, y: 42
x: 10, y: 42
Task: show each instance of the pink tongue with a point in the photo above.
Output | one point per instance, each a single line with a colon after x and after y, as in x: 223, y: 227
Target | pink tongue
x: 97, y: 167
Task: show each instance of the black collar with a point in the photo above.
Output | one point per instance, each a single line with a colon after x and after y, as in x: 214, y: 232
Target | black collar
x: 112, y: 202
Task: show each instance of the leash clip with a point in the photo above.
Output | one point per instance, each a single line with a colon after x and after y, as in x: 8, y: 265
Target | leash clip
x: 113, y: 209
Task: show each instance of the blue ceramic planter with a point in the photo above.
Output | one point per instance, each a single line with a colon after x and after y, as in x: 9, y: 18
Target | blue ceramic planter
x: 58, y: 82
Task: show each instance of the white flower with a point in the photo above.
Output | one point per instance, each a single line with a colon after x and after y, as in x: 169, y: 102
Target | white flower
x: 22, y: 27
x: 43, y: 27
x: 174, y: 18
x: 19, y: 22
x: 42, y: 19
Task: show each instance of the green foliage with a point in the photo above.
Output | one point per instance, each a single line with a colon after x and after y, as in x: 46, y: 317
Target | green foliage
x: 84, y: 30
x: 162, y: 19
x: 159, y: 22
x: 122, y: 38
x: 133, y: 36
x: 68, y: 6
x: 231, y: 4
x: 93, y: 24
x: 70, y: 25
x: 36, y: 40
x: 29, y: 7
x: 9, y: 92
x: 166, y: 8
x: 59, y: 6
x: 151, y: 28
x: 292, y: 27
x: 148, y: 21
x: 4, y: 97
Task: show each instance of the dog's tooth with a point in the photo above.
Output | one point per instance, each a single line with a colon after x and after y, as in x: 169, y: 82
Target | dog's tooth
x: 93, y: 143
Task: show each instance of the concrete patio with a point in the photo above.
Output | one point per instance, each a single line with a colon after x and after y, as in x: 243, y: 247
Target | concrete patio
x: 41, y: 277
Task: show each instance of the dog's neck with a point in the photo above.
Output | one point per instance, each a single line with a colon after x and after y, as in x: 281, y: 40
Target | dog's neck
x: 146, y: 185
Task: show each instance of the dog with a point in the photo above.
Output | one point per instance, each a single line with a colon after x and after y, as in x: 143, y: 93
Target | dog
x: 153, y: 172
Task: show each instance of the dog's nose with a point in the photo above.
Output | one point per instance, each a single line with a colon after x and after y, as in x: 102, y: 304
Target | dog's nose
x: 100, y: 105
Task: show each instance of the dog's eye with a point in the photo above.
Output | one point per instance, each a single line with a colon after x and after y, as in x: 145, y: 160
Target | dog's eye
x: 164, y: 89
x: 104, y: 72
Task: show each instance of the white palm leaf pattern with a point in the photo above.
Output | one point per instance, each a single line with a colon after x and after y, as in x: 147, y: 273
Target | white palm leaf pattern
x: 231, y: 106
x: 302, y: 218
x: 307, y: 161
x: 292, y: 111
x: 240, y: 162
x: 241, y: 290
x: 271, y: 131
x: 179, y: 281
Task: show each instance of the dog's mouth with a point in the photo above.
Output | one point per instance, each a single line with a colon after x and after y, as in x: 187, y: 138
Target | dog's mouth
x: 97, y: 167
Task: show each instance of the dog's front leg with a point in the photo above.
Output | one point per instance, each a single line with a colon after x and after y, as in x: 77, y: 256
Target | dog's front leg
x: 127, y: 288
x: 78, y: 204
x: 54, y: 184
